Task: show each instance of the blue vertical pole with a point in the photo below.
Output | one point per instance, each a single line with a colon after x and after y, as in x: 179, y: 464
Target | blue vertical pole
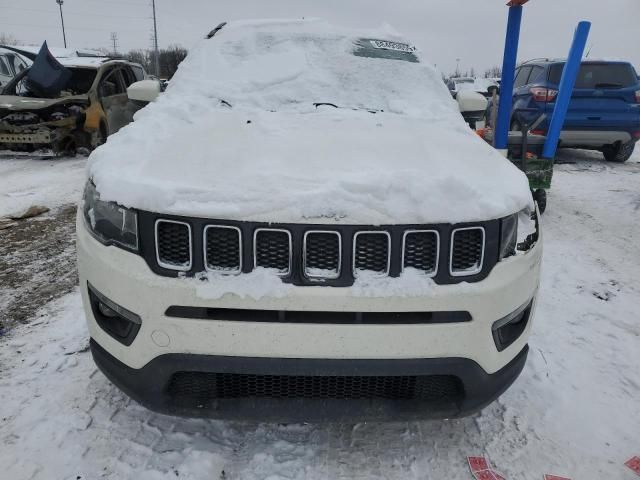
x: 567, y: 82
x: 508, y: 77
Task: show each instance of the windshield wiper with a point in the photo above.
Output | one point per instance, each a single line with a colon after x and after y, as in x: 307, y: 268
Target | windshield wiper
x: 325, y: 104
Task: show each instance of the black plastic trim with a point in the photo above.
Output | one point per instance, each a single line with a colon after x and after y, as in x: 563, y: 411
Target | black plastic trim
x: 149, y: 386
x: 315, y: 317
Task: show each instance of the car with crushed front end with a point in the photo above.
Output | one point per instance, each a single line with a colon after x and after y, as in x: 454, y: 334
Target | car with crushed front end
x: 91, y: 105
x: 303, y: 228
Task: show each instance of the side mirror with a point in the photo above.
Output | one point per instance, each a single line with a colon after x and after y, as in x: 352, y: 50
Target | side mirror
x: 469, y: 101
x: 144, y: 90
x: 472, y: 105
x: 493, y: 88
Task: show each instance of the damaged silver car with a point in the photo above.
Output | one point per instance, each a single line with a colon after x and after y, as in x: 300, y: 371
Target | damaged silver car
x: 89, y: 103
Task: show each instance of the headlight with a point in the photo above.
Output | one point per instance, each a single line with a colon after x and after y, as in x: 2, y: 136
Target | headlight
x: 110, y: 223
x: 518, y: 233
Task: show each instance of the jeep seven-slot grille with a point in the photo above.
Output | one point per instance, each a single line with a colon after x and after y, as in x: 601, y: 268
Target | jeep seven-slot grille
x: 467, y: 250
x: 315, y: 254
x: 201, y: 387
x: 173, y: 245
x: 421, y: 251
x: 272, y: 249
x: 223, y: 249
x: 371, y: 252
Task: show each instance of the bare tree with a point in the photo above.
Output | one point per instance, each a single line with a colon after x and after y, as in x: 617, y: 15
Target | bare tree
x: 8, y: 39
x: 170, y: 59
x: 140, y: 56
x: 493, y: 72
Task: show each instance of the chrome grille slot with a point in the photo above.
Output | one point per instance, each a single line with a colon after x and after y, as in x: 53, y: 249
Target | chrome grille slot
x: 322, y: 255
x: 467, y: 251
x: 272, y: 249
x: 173, y: 245
x: 421, y: 250
x: 223, y: 249
x: 371, y: 252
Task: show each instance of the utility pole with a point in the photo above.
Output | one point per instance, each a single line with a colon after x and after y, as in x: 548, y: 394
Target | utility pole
x: 155, y: 40
x: 114, y: 42
x: 64, y: 36
x: 457, y: 67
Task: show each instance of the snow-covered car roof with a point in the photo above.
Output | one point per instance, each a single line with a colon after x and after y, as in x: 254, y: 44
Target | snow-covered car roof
x: 237, y: 136
x: 473, y: 84
x: 91, y: 62
x: 60, y: 52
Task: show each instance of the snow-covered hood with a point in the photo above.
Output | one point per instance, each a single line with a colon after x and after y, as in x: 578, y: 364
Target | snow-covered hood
x: 274, y: 157
x: 355, y: 167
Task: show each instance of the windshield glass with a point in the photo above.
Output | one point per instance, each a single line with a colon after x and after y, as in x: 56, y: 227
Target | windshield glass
x: 598, y: 75
x: 79, y: 83
x: 295, y: 65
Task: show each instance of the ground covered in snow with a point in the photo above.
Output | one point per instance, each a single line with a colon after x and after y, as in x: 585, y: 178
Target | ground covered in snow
x: 573, y: 412
x: 30, y: 181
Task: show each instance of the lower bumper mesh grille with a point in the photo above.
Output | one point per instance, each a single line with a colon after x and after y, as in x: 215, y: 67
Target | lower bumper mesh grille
x: 202, y: 387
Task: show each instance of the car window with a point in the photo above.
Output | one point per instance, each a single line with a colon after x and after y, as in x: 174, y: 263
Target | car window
x: 522, y: 77
x: 81, y: 80
x: 128, y: 76
x: 536, y: 74
x: 4, y: 68
x: 111, y: 84
x: 138, y: 72
x: 598, y: 75
x: 18, y: 64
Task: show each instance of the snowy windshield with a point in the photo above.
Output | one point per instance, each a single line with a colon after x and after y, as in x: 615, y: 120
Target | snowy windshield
x: 295, y: 65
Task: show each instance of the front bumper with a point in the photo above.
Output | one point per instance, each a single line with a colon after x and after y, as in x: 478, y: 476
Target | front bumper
x: 167, y: 345
x: 38, y: 137
x: 150, y: 386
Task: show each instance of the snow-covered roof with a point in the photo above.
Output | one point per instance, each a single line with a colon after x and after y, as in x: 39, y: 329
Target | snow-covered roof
x: 474, y: 84
x: 82, y: 61
x: 59, y: 52
x: 275, y: 157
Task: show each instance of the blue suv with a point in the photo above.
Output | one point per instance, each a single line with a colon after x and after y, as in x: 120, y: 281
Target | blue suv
x: 604, y: 113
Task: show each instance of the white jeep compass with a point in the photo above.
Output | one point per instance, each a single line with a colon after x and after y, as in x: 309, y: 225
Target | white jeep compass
x: 302, y: 227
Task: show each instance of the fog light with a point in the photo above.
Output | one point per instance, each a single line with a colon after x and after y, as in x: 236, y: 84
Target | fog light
x: 117, y: 321
x: 106, y: 311
x: 508, y: 329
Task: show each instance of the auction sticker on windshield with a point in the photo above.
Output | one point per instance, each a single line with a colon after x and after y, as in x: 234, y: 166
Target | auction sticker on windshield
x: 396, y: 46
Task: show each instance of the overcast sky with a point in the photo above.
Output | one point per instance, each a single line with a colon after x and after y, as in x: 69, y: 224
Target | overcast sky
x: 444, y: 30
